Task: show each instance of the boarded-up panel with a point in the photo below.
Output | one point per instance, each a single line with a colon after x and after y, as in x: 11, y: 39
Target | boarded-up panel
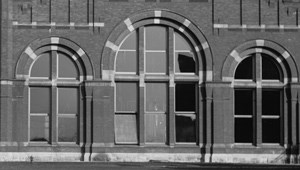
x: 79, y: 11
x: 250, y: 12
x: 155, y: 128
x: 125, y: 129
x: 60, y: 11
x: 227, y: 12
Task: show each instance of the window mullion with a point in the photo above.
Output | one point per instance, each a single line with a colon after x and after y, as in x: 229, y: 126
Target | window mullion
x: 141, y: 94
x: 54, y: 65
x: 258, y: 121
x: 53, y: 116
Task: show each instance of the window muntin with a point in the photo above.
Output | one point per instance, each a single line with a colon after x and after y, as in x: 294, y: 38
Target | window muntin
x: 151, y: 84
x: 264, y: 95
x: 49, y: 124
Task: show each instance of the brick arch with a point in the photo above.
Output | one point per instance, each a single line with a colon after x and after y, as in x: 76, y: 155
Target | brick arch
x: 158, y: 17
x: 277, y: 52
x: 39, y: 46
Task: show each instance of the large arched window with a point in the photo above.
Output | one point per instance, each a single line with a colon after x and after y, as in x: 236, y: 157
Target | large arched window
x: 258, y: 100
x: 156, y: 88
x: 53, y: 98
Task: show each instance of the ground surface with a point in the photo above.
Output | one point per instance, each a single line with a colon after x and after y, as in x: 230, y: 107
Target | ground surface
x: 137, y: 166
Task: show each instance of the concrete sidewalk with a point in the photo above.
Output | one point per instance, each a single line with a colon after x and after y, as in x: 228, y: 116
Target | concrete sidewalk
x: 136, y: 166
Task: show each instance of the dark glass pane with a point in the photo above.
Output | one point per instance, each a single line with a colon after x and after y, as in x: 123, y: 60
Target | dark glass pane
x: 68, y: 100
x: 185, y: 97
x: 269, y: 69
x: 156, y: 38
x: 271, y: 130
x: 271, y: 102
x: 156, y: 62
x: 67, y: 129
x: 181, y: 44
x: 126, y: 61
x: 185, y: 62
x: 126, y: 97
x: 39, y: 128
x: 155, y: 128
x: 41, y: 67
x: 156, y: 97
x: 186, y: 128
x: 130, y: 42
x: 66, y: 67
x: 245, y: 69
x: 126, y: 129
x: 40, y: 100
x: 243, y: 130
x: 243, y: 102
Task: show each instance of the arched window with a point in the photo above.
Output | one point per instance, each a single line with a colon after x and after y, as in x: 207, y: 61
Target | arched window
x: 258, y: 100
x: 156, y: 88
x: 53, y: 99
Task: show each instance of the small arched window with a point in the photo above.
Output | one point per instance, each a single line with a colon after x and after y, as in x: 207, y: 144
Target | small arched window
x: 258, y: 97
x: 156, y: 88
x: 53, y: 98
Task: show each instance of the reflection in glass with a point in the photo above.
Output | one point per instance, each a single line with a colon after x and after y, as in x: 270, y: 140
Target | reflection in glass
x: 270, y: 70
x: 67, y: 129
x: 271, y: 130
x: 155, y: 128
x: 156, y: 62
x: 66, y: 67
x: 181, y: 44
x: 67, y: 100
x: 126, y: 129
x: 243, y: 132
x: 185, y: 62
x: 244, y: 102
x: 185, y: 97
x: 126, y: 61
x: 39, y: 100
x: 41, y: 67
x: 245, y: 69
x: 271, y: 102
x: 130, y: 42
x: 156, y: 38
x: 126, y: 97
x: 39, y: 128
x: 185, y: 128
x: 156, y: 97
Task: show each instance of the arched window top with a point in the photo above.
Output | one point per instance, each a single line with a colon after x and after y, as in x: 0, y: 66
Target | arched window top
x: 258, y: 66
x: 157, y: 42
x: 64, y: 68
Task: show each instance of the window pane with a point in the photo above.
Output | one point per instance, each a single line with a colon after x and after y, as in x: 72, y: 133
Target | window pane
x: 185, y: 62
x: 243, y: 102
x: 126, y: 61
x: 271, y: 102
x: 40, y: 100
x: 156, y: 97
x: 269, y: 69
x: 185, y: 97
x: 271, y: 130
x: 126, y: 97
x: 243, y: 132
x: 245, y: 69
x: 41, y: 67
x: 67, y: 100
x: 155, y: 127
x: 130, y: 42
x: 126, y: 129
x: 39, y: 128
x: 156, y: 38
x: 181, y: 43
x: 67, y: 129
x: 66, y: 67
x: 156, y: 62
x: 186, y: 128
